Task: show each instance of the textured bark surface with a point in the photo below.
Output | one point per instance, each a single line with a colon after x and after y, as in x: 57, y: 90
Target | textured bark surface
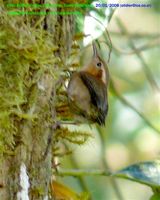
x: 30, y: 142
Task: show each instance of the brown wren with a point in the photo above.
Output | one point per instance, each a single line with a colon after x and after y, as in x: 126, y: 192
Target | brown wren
x: 87, y: 90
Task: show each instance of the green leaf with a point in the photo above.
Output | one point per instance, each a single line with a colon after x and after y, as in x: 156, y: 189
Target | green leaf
x: 155, y: 197
x: 147, y: 173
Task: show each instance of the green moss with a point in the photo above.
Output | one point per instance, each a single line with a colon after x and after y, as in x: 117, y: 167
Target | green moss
x: 27, y: 60
x: 26, y: 54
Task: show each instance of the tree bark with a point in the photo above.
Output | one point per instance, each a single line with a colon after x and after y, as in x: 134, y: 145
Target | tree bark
x: 29, y: 156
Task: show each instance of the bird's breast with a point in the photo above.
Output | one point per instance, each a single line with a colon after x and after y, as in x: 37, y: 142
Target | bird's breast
x: 78, y: 92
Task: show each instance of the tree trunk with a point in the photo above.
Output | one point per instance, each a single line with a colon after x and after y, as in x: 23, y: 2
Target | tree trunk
x: 26, y: 166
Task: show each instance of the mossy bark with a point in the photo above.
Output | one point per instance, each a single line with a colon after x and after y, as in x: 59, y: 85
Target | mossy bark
x: 30, y: 139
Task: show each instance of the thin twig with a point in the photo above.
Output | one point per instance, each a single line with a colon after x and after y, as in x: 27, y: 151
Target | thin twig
x: 81, y: 180
x: 135, y: 35
x: 113, y: 181
x: 147, y: 70
x: 150, y: 45
x: 127, y: 103
x: 82, y: 172
x: 108, y: 35
x: 110, y: 44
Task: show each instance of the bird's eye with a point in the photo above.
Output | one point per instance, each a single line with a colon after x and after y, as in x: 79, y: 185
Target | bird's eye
x: 99, y: 64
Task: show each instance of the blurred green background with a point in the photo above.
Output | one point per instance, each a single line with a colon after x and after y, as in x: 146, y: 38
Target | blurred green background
x: 127, y: 138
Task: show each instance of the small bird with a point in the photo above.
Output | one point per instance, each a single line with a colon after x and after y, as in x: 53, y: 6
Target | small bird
x: 87, y: 90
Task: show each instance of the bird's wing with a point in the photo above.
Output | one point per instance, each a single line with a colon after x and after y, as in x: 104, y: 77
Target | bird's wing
x: 98, y: 92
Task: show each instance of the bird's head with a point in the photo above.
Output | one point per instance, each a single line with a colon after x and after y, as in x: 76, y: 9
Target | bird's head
x: 97, y: 67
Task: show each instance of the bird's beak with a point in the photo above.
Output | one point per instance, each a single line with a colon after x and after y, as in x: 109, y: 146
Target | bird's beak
x: 95, y: 52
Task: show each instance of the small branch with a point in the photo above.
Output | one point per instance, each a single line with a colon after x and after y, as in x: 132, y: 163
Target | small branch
x: 146, y: 69
x: 106, y: 31
x: 150, y: 45
x: 81, y: 179
x: 110, y: 43
x: 80, y: 172
x: 135, y: 35
x: 113, y: 182
x: 127, y: 103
